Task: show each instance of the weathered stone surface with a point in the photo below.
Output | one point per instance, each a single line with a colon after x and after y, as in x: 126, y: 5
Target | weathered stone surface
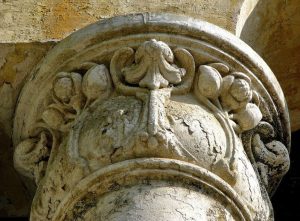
x: 42, y: 21
x: 273, y: 31
x: 36, y: 20
x: 16, y: 62
x: 136, y: 105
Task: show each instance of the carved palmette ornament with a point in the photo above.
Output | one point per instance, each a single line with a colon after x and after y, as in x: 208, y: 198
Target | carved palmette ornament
x: 152, y: 67
x: 132, y: 109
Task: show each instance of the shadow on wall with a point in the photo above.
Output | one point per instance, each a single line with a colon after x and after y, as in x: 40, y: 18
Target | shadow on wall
x: 288, y: 193
x: 273, y: 31
x: 13, y: 198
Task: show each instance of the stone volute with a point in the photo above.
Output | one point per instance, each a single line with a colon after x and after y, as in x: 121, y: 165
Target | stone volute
x: 152, y: 117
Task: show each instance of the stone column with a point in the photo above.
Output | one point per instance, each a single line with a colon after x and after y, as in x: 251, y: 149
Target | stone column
x: 152, y: 117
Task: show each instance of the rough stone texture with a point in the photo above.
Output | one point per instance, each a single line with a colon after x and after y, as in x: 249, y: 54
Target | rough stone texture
x: 144, y: 102
x: 36, y: 20
x: 273, y: 31
x: 16, y: 62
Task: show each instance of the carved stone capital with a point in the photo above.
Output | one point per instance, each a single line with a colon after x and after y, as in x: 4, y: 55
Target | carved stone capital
x: 152, y: 117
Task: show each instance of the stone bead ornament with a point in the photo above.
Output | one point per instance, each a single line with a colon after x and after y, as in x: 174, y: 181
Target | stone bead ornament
x: 152, y: 117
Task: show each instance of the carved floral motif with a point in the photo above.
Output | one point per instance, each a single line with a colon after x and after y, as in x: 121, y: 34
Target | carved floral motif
x: 71, y: 94
x: 158, y: 126
x: 152, y: 66
x: 231, y: 94
x: 151, y: 70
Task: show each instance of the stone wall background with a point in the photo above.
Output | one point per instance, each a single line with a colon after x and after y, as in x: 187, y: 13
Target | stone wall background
x: 30, y: 28
x: 44, y: 20
x: 16, y: 62
x: 273, y: 31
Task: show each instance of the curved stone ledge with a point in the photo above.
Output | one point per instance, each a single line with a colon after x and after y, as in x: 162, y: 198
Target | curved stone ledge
x: 143, y: 171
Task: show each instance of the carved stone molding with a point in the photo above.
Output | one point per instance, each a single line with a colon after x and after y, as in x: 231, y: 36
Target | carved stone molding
x: 128, y: 117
